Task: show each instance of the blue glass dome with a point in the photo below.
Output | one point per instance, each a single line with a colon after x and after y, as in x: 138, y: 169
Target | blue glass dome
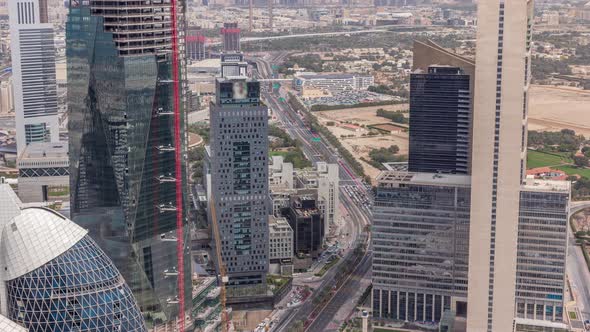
x: 79, y: 290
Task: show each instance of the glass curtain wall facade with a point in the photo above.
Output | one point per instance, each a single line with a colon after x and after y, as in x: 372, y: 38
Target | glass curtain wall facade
x: 440, y: 114
x: 80, y: 290
x: 542, y: 252
x: 420, y: 245
x: 122, y: 151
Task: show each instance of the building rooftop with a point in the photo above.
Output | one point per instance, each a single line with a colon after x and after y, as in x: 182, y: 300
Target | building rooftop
x: 277, y: 223
x: 45, y: 150
x: 398, y: 177
x: 533, y: 184
x: 540, y: 323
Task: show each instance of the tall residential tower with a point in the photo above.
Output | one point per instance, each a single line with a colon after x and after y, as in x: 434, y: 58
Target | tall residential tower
x: 33, y: 73
x: 127, y: 147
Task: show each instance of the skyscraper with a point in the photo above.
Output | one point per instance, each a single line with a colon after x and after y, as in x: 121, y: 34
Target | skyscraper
x: 33, y: 73
x: 239, y: 180
x: 55, y: 277
x: 511, y: 230
x: 127, y: 147
x: 498, y: 161
x: 440, y: 114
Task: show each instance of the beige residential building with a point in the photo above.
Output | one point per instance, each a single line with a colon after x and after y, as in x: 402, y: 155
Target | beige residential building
x: 498, y: 163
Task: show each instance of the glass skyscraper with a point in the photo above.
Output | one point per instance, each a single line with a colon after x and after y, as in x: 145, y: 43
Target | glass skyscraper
x: 440, y: 114
x: 127, y: 142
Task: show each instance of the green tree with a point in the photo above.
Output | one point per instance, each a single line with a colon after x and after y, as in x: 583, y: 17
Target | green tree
x: 581, y: 161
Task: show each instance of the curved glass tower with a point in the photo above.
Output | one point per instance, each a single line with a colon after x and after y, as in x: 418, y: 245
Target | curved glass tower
x: 125, y: 143
x: 56, y: 278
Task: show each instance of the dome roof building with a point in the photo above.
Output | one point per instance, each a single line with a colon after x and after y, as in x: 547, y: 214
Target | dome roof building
x: 54, y: 277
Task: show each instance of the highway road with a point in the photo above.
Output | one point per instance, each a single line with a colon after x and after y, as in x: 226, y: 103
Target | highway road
x: 344, y: 294
x: 360, y: 215
x: 306, y: 35
x: 579, y: 276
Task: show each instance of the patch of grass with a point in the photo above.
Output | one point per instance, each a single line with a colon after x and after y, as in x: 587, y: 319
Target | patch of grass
x: 572, y: 314
x: 536, y: 159
x: 573, y: 170
x: 326, y: 267
x: 294, y: 156
x: 378, y: 329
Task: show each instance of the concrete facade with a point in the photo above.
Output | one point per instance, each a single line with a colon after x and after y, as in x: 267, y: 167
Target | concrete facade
x: 322, y: 178
x: 239, y: 182
x: 44, y: 173
x: 281, y: 239
x: 499, y: 148
x: 33, y: 73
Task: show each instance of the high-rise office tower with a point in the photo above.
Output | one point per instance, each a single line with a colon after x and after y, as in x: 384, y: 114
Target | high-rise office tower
x: 420, y: 245
x: 239, y: 181
x: 230, y: 37
x: 498, y: 160
x: 419, y: 264
x: 55, y: 278
x: 542, y: 250
x: 420, y: 217
x: 33, y: 73
x: 440, y: 114
x: 127, y: 146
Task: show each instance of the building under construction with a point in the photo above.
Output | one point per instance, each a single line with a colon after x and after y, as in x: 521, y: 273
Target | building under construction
x: 195, y: 44
x: 230, y: 37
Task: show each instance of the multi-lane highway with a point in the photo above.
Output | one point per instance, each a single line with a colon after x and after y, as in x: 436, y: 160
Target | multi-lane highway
x: 350, y: 191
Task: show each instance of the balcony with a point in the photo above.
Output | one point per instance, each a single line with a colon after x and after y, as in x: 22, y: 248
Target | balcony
x: 165, y: 148
x: 174, y: 300
x: 168, y: 237
x: 169, y: 207
x: 170, y: 273
x: 165, y: 179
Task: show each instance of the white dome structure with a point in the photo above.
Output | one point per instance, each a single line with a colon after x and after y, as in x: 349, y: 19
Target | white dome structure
x: 35, y: 237
x: 6, y: 325
x: 54, y: 277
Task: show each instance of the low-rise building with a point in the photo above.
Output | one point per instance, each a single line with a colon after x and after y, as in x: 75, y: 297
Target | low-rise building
x: 546, y: 173
x: 332, y: 82
x: 308, y: 227
x: 322, y: 180
x: 280, y: 246
x: 43, y: 173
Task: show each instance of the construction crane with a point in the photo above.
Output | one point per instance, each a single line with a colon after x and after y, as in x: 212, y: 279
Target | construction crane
x: 270, y: 14
x: 220, y: 265
x: 250, y: 16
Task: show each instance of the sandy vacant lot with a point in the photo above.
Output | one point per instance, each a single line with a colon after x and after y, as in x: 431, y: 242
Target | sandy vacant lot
x: 363, y: 115
x: 556, y: 108
x: 358, y: 145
